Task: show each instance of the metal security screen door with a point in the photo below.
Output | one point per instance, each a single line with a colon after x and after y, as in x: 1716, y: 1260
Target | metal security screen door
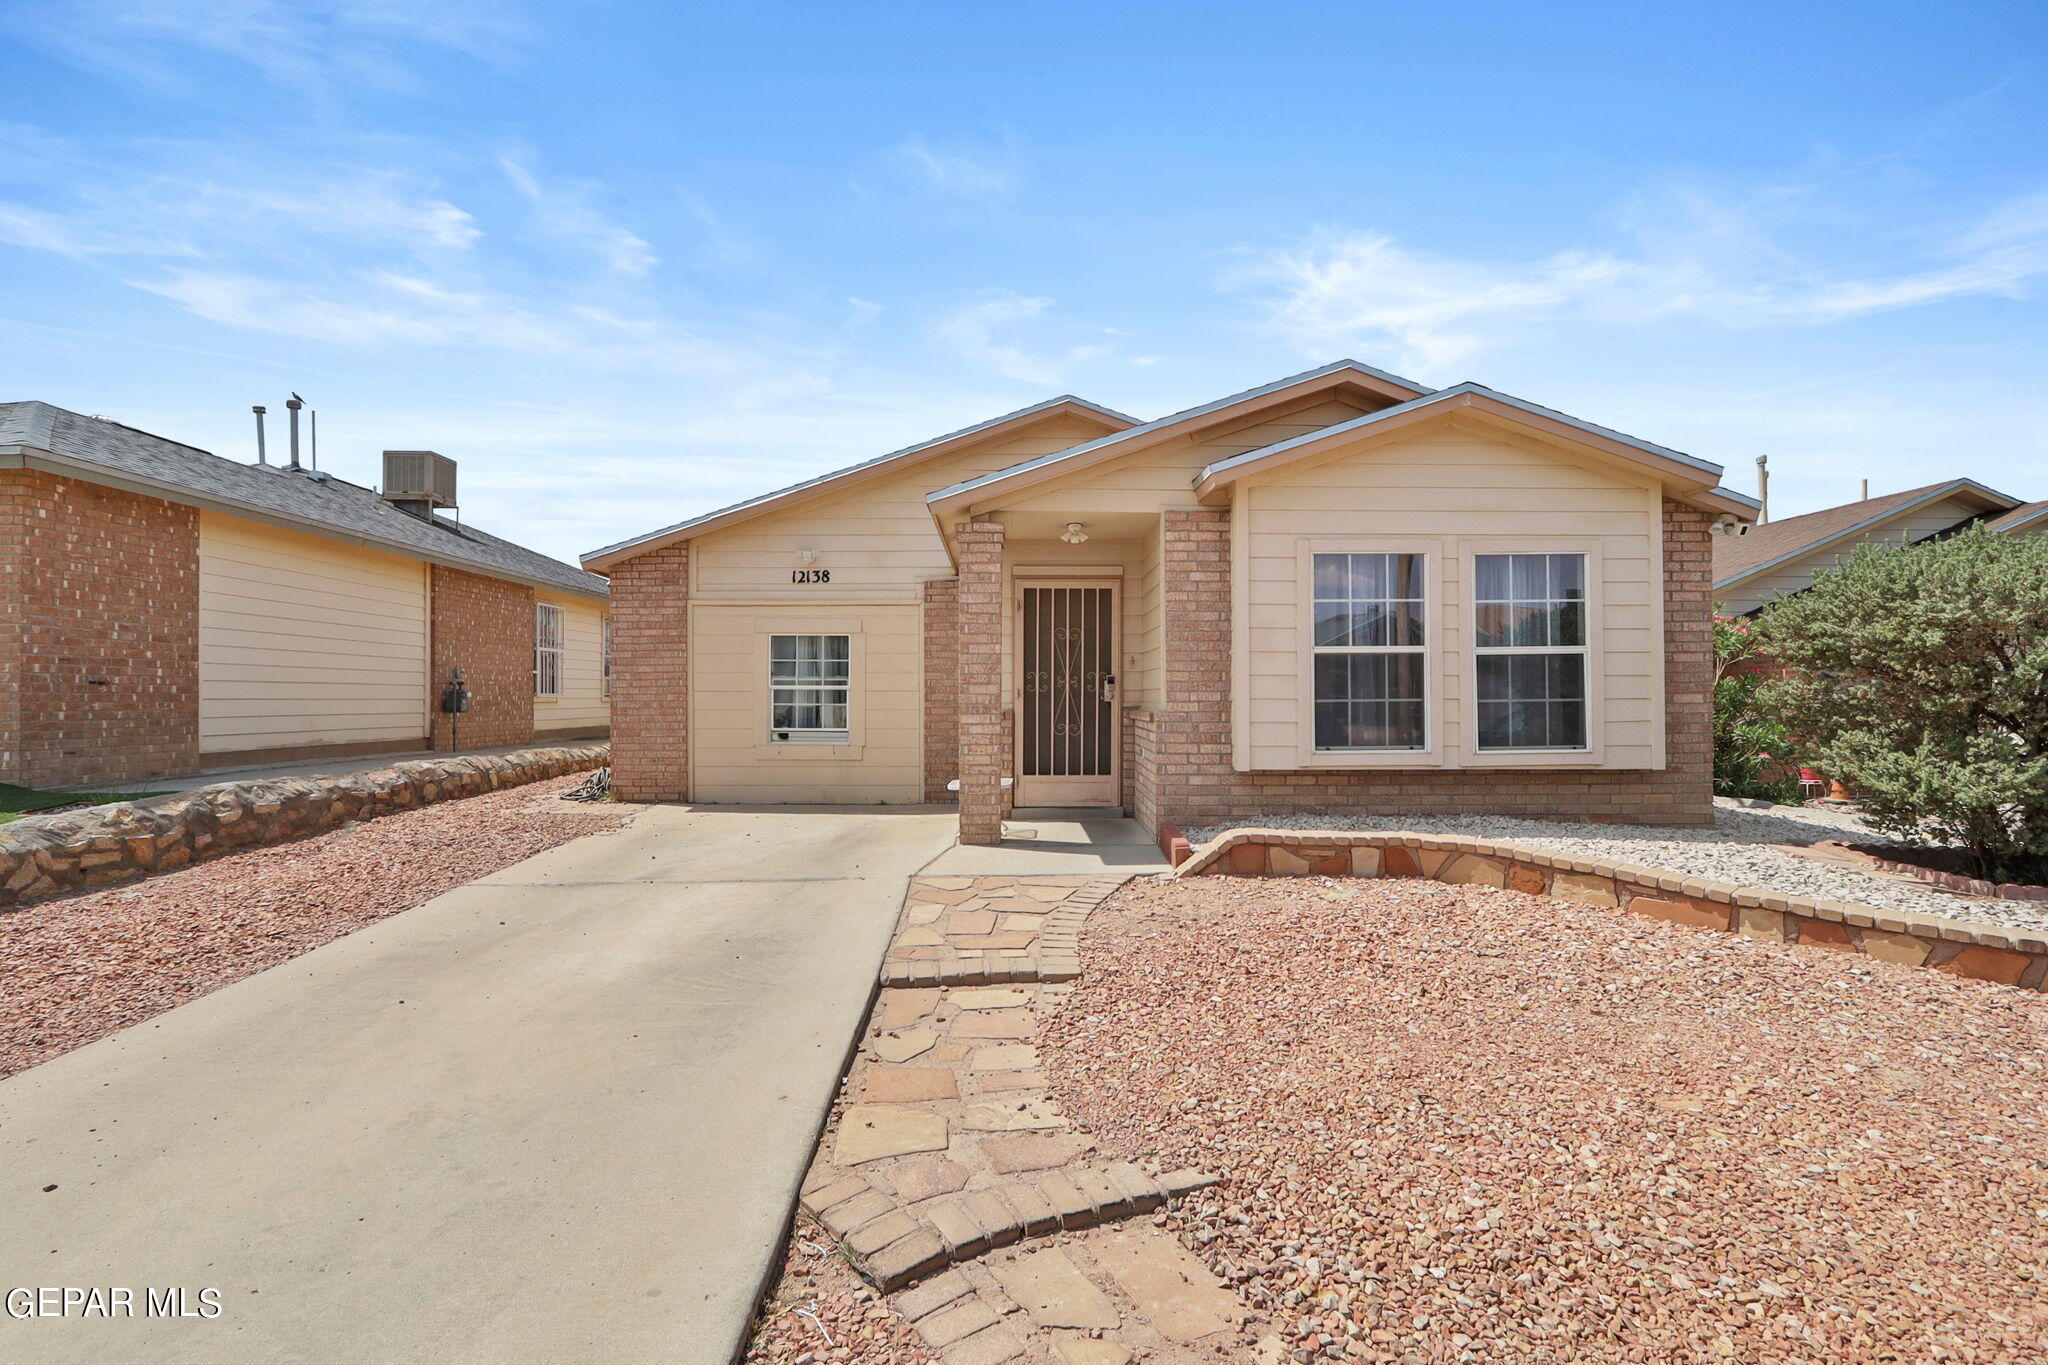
x: 1067, y: 723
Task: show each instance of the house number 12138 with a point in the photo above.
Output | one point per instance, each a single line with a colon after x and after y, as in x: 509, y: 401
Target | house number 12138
x: 810, y: 575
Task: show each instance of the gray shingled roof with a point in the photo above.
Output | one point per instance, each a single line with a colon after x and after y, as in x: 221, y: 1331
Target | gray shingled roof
x: 1737, y: 557
x: 182, y: 473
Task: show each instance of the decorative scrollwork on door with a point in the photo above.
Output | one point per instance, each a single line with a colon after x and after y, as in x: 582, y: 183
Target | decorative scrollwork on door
x: 1069, y: 718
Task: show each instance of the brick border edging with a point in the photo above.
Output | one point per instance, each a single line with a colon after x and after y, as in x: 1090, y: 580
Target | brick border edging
x: 1055, y: 958
x: 107, y: 845
x: 891, y: 1244
x: 1953, y: 881
x: 2006, y: 957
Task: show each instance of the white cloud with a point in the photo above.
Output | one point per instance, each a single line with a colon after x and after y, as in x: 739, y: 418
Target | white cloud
x: 1341, y: 291
x: 968, y: 173
x: 973, y: 328
x: 564, y: 212
x: 316, y: 46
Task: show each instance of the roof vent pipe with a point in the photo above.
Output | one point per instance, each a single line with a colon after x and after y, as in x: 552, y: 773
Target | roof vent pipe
x: 294, y: 403
x: 1763, y: 489
x: 1866, y: 490
x: 261, y: 458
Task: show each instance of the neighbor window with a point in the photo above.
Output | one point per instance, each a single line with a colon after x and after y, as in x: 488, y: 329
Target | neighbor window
x: 810, y: 679
x: 547, y: 650
x: 605, y: 653
x: 1530, y: 637
x: 1368, y: 652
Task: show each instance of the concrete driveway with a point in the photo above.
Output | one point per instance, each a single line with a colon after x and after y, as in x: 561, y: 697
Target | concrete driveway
x: 558, y: 1114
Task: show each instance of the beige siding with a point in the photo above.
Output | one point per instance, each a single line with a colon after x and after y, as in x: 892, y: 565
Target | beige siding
x: 582, y: 704
x: 1797, y: 575
x: 305, y: 640
x: 1450, y: 492
x: 1163, y: 475
x: 875, y: 537
x: 731, y: 756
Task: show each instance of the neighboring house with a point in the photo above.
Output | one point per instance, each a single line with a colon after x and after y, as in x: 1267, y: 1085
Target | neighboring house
x: 1779, y: 558
x: 167, y: 611
x: 1338, y: 590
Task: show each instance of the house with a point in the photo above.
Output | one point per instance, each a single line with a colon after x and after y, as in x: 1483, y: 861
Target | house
x: 168, y: 611
x: 1341, y: 589
x: 1779, y: 558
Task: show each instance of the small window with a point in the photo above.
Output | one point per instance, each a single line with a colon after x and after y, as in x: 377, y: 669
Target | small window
x: 605, y: 653
x: 810, y: 681
x: 1370, y: 674
x: 1530, y: 639
x: 547, y: 650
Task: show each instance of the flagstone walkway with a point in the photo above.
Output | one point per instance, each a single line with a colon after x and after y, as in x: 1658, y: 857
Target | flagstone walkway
x: 952, y: 1182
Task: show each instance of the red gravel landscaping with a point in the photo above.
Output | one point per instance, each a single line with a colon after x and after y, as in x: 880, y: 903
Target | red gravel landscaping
x: 79, y: 968
x: 820, y: 1311
x: 1460, y: 1124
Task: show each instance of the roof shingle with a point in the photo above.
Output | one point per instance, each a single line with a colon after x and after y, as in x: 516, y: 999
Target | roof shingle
x: 321, y: 500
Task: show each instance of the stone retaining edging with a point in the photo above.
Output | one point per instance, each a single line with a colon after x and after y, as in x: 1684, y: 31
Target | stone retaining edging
x: 1982, y: 953
x: 46, y: 856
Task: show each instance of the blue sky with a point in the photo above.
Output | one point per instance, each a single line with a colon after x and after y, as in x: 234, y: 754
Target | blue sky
x: 628, y: 262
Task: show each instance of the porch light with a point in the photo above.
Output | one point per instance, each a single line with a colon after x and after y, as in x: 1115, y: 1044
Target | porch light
x: 807, y: 556
x: 1074, y: 535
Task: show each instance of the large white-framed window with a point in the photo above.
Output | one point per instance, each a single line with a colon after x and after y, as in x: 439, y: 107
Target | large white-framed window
x: 810, y: 689
x: 1369, y: 665
x: 547, y: 650
x: 1532, y: 661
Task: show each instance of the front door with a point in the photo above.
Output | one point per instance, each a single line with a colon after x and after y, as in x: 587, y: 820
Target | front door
x: 1067, y: 732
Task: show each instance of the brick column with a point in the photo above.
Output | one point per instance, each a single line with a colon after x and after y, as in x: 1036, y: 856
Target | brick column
x: 650, y: 676
x: 1192, y: 729
x: 941, y: 620
x: 1687, y: 795
x: 984, y: 736
x: 484, y: 626
x: 99, y: 633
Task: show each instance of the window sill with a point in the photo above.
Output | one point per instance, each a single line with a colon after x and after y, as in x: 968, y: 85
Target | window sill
x: 810, y: 750
x: 1535, y: 758
x: 1372, y: 758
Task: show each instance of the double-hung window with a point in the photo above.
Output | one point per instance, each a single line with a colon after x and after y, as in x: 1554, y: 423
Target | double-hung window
x: 547, y: 650
x: 810, y: 684
x: 1530, y: 639
x: 1370, y: 674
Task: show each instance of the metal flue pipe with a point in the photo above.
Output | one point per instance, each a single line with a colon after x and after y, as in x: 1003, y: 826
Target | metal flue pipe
x: 261, y: 458
x: 294, y: 403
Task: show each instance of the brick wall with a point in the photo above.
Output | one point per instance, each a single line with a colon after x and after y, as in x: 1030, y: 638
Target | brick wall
x: 984, y: 727
x: 1185, y: 773
x: 484, y: 625
x: 941, y: 688
x: 99, y: 633
x: 651, y: 676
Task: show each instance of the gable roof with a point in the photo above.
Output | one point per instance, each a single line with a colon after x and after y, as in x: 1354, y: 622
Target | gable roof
x: 1662, y: 460
x: 753, y: 507
x: 55, y: 439
x: 1091, y: 452
x: 2028, y: 516
x: 1776, y: 542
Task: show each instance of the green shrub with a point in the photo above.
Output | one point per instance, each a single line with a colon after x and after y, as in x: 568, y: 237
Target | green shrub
x: 1749, y: 745
x: 1921, y: 676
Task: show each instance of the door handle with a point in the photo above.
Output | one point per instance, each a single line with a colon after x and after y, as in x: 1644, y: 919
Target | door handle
x: 1108, y: 690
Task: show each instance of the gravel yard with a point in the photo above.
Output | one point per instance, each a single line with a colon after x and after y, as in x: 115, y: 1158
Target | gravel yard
x: 81, y: 967
x: 1733, y: 850
x: 1457, y: 1124
x: 820, y: 1312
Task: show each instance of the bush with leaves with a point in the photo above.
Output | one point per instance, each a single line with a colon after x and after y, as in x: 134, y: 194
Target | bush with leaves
x: 1921, y: 676
x: 1749, y: 744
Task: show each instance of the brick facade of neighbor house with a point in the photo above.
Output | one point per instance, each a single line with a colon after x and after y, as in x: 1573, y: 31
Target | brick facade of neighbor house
x: 484, y: 626
x: 984, y: 723
x: 1185, y: 773
x: 651, y: 676
x: 941, y: 629
x: 99, y: 633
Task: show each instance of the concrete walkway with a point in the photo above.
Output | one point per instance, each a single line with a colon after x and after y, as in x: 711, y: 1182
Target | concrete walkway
x: 558, y: 1114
